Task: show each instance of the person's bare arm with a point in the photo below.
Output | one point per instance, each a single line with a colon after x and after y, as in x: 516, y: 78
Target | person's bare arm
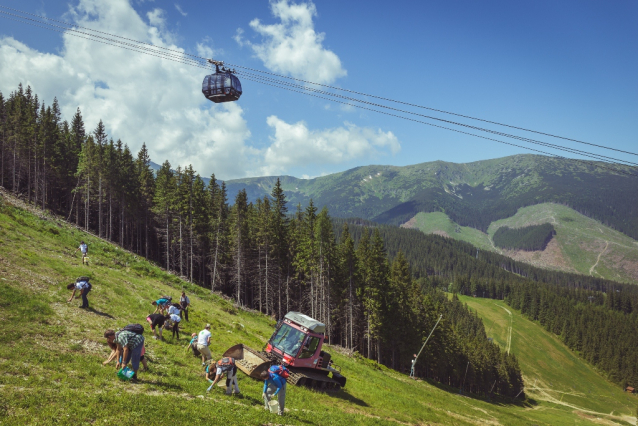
x: 73, y: 294
x: 217, y: 379
x: 111, y: 357
x: 125, y: 352
x: 118, y: 357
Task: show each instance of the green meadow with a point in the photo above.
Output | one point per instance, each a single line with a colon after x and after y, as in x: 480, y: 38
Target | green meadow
x: 553, y: 374
x: 583, y: 245
x: 51, y: 353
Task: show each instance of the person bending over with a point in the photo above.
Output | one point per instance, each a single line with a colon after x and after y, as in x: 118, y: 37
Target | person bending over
x: 203, y: 343
x: 224, y: 366
x: 193, y: 344
x: 129, y: 349
x: 274, y: 385
x: 157, y: 321
x: 175, y: 319
x: 84, y: 286
x: 110, y: 340
x: 160, y: 305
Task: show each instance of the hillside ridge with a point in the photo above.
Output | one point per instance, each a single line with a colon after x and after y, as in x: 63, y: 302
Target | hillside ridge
x: 65, y: 350
x: 472, y: 194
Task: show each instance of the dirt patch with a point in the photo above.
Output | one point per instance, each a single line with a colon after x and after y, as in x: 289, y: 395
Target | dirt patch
x: 410, y: 223
x: 617, y: 257
x: 552, y: 257
x: 442, y: 233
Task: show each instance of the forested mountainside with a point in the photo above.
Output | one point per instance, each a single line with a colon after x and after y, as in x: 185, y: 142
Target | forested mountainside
x: 64, y: 377
x: 473, y: 194
x: 255, y: 253
x: 528, y: 238
x: 579, y: 245
x: 274, y: 262
x: 591, y: 315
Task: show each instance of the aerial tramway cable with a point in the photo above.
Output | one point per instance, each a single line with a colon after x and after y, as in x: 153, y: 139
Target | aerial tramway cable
x: 586, y: 162
x: 523, y: 139
x: 200, y: 62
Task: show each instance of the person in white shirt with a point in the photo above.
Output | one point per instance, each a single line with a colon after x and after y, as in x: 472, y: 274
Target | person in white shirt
x: 175, y: 319
x: 84, y: 287
x: 203, y: 343
x: 84, y: 249
x: 174, y: 310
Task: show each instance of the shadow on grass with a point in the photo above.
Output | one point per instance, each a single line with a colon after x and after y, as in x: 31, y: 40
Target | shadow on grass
x: 160, y: 384
x: 102, y: 314
x: 250, y: 399
x: 342, y: 394
x: 495, y: 399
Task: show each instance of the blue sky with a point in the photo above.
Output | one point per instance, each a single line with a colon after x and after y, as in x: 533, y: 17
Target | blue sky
x: 567, y: 68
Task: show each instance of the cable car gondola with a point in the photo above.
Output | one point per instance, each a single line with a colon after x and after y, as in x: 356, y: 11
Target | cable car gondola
x: 222, y: 86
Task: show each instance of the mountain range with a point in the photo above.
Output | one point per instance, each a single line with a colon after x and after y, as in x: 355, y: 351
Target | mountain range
x: 470, y: 201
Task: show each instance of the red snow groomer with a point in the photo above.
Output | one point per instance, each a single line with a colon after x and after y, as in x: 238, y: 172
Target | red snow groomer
x: 296, y: 342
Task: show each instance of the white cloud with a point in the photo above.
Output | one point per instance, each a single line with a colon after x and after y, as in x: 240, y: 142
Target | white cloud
x: 292, y: 46
x: 295, y: 144
x: 179, y: 9
x: 157, y: 17
x: 140, y: 98
x: 204, y: 50
x: 239, y: 37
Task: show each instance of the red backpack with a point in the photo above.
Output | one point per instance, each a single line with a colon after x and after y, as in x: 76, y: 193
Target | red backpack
x: 279, y: 370
x: 226, y: 364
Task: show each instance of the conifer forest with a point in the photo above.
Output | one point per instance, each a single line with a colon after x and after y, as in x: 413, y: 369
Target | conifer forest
x: 378, y: 289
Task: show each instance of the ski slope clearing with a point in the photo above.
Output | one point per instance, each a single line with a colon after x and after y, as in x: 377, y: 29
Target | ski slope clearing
x: 581, y: 244
x: 553, y: 374
x: 51, y: 351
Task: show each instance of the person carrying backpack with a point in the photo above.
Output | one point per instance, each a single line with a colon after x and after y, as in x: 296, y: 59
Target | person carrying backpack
x: 84, y: 286
x: 275, y: 385
x: 84, y: 249
x: 161, y: 304
x: 225, y: 366
x: 130, y: 344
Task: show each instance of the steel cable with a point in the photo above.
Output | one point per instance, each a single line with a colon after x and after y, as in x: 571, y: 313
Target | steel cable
x: 588, y: 162
x: 521, y: 138
x: 179, y: 58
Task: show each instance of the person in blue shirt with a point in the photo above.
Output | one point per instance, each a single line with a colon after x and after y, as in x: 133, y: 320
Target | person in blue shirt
x: 274, y: 385
x: 193, y: 344
x: 160, y: 305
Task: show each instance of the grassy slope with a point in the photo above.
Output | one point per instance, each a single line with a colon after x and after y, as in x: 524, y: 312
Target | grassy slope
x: 581, y: 241
x: 551, y: 371
x: 51, y: 351
x: 440, y: 223
x: 578, y: 242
